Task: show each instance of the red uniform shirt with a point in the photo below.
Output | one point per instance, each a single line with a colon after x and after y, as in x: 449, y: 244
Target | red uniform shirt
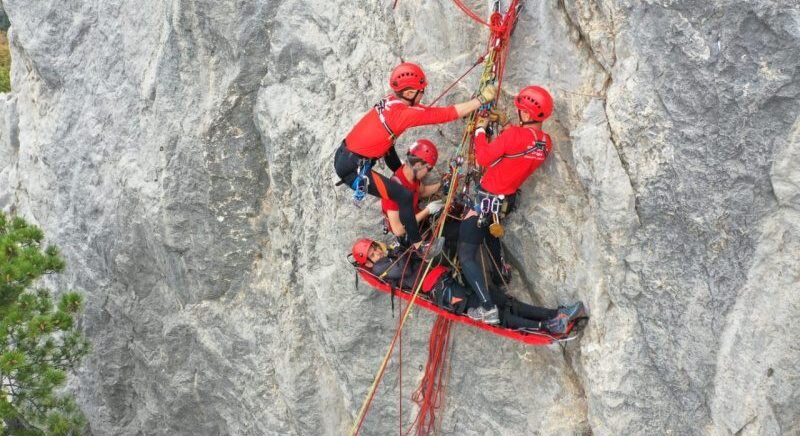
x: 369, y: 138
x: 400, y: 178
x: 510, y: 158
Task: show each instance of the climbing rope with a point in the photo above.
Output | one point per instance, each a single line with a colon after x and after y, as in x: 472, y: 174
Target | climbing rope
x: 430, y: 394
x: 371, y: 393
x: 449, y: 87
x: 475, y: 17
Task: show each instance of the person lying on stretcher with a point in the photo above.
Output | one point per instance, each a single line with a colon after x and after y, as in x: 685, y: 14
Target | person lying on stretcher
x: 400, y: 269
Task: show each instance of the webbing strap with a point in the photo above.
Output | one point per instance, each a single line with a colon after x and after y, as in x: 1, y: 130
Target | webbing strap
x: 537, y: 145
x: 380, y: 186
x: 379, y: 108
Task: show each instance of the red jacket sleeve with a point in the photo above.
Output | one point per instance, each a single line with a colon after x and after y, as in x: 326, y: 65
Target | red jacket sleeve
x: 413, y: 116
x: 486, y: 153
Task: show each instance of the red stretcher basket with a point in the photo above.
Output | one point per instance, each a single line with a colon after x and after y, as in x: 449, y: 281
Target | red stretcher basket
x: 530, y: 338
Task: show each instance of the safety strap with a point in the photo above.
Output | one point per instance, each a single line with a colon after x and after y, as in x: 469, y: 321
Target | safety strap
x: 538, y: 144
x: 380, y: 186
x: 379, y: 108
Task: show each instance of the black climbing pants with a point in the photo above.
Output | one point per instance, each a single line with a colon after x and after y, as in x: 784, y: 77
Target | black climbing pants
x: 347, y: 163
x: 450, y: 295
x: 470, y: 238
x: 514, y: 314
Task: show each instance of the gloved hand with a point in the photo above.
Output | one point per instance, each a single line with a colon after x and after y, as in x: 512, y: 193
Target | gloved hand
x: 498, y: 116
x: 488, y: 93
x: 481, y: 122
x: 434, y: 207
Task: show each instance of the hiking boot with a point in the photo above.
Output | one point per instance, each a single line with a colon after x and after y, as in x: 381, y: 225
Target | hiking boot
x: 480, y: 313
x: 431, y: 248
x: 560, y: 322
x: 574, y: 311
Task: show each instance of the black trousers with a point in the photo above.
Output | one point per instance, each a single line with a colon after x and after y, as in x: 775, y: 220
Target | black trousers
x: 470, y: 238
x: 346, y: 164
x: 514, y: 314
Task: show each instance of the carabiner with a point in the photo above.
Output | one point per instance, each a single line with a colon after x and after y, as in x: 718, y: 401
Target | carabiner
x: 495, y: 205
x: 486, y: 205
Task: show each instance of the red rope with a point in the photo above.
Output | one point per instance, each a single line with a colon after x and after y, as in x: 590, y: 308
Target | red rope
x: 494, y: 28
x: 478, y: 62
x: 430, y: 394
x: 502, y: 27
x: 504, y: 38
x: 397, y: 333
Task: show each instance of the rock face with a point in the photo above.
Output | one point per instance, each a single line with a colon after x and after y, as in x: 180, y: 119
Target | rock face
x: 180, y: 154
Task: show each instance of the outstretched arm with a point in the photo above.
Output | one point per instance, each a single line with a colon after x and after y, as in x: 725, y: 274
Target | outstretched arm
x: 467, y: 107
x: 488, y: 93
x: 397, y: 226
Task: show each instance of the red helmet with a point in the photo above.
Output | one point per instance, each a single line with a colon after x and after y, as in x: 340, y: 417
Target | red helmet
x: 536, y: 101
x: 407, y: 75
x: 361, y: 250
x: 425, y: 150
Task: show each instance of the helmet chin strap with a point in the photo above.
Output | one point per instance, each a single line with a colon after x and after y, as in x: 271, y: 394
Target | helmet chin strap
x: 524, y: 123
x: 414, y: 171
x: 411, y: 100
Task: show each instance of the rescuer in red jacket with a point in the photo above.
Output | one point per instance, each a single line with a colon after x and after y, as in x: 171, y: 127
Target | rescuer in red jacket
x: 374, y: 135
x: 415, y: 175
x: 412, y: 175
x: 508, y: 161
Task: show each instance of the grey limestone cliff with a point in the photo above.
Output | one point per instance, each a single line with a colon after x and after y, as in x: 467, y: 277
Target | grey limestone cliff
x: 180, y: 153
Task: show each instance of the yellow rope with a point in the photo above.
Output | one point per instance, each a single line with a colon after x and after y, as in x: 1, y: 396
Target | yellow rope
x: 374, y: 386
